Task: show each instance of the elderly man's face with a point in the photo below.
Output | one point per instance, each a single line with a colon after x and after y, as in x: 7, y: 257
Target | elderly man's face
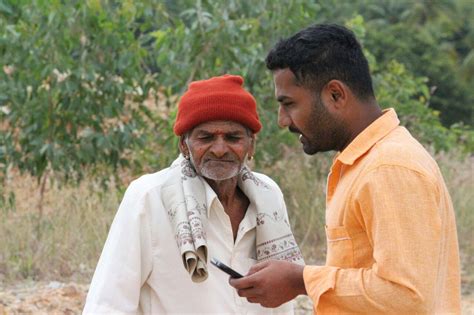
x: 218, y: 149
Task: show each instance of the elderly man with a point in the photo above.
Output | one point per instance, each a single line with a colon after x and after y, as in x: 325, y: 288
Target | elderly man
x: 391, y: 233
x: 207, y: 204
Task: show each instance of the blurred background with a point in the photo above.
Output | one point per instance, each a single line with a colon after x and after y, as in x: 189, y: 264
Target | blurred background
x: 88, y: 95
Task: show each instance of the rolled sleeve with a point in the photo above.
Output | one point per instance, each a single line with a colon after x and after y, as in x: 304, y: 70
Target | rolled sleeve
x: 318, y: 280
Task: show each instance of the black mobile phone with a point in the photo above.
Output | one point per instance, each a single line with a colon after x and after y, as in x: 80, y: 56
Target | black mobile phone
x: 231, y: 272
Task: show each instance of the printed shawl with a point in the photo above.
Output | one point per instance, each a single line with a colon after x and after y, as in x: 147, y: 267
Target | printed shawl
x: 185, y: 203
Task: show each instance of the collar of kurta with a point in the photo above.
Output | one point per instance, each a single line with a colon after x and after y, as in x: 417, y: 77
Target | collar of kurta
x: 185, y: 200
x: 365, y: 140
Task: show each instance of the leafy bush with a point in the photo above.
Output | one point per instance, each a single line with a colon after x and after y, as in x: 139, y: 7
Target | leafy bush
x: 397, y: 87
x: 73, y: 87
x: 95, y: 84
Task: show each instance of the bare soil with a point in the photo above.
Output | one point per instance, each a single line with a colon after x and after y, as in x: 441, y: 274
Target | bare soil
x: 43, y: 298
x: 68, y: 298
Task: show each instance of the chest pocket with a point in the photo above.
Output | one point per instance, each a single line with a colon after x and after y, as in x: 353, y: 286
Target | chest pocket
x: 340, y: 251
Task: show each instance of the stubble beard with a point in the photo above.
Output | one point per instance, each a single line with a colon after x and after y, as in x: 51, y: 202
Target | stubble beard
x: 326, y: 131
x: 218, y: 174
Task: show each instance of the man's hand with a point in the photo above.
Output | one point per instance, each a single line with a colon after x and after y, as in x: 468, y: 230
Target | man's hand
x: 271, y: 283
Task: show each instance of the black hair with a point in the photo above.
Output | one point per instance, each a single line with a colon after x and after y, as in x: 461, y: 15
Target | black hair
x: 321, y: 53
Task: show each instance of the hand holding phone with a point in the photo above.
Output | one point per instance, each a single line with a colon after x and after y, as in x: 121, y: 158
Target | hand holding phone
x: 231, y: 272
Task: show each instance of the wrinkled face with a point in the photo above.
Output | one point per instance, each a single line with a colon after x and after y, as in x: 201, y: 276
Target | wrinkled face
x: 218, y: 149
x: 305, y: 114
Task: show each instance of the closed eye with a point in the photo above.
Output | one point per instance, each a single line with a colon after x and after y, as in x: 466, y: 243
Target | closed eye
x: 205, y: 137
x: 233, y: 138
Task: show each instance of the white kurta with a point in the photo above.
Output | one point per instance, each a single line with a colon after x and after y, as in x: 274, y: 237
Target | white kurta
x: 141, y: 270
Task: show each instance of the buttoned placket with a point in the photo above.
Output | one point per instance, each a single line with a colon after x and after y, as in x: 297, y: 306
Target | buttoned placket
x: 246, y: 225
x: 334, y: 177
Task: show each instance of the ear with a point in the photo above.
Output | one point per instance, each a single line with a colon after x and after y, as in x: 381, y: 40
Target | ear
x: 252, y: 145
x: 183, y: 146
x: 335, y: 94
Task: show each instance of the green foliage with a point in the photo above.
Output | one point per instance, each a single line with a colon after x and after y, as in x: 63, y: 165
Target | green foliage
x: 433, y: 39
x: 72, y: 86
x: 208, y: 38
x: 409, y: 95
x: 95, y: 84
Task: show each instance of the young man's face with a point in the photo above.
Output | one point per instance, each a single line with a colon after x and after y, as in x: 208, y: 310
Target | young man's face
x: 218, y: 149
x: 304, y: 113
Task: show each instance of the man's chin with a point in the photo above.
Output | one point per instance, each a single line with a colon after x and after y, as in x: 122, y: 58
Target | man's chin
x: 309, y: 150
x: 219, y: 175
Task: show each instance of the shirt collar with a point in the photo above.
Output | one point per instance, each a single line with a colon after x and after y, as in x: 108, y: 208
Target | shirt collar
x: 211, y: 196
x: 249, y: 221
x: 250, y: 218
x: 369, y: 137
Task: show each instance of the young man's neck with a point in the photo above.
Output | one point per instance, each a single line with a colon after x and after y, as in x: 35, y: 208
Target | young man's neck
x: 362, y: 116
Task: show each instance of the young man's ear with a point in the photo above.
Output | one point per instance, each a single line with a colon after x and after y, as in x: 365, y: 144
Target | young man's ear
x: 335, y: 95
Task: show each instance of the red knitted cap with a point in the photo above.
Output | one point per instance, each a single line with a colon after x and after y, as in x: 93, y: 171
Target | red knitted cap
x: 218, y: 98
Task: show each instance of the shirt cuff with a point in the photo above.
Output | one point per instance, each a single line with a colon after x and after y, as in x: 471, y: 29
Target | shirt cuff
x: 318, y: 280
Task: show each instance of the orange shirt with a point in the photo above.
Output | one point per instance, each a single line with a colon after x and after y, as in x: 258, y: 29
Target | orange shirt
x: 390, y: 227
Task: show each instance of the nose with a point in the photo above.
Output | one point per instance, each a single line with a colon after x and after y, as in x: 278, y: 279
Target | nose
x: 284, y: 119
x: 219, y: 147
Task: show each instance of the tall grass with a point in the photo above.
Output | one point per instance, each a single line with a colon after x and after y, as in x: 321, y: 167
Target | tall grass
x: 303, y: 181
x: 65, y: 243
x: 459, y: 177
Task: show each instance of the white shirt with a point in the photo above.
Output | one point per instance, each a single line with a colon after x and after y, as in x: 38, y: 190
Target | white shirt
x: 141, y: 270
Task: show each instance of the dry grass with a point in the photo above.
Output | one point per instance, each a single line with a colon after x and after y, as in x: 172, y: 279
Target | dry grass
x: 459, y: 177
x: 66, y: 242
x: 303, y: 180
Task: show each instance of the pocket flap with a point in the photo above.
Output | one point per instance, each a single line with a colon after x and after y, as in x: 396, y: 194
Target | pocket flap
x: 338, y: 233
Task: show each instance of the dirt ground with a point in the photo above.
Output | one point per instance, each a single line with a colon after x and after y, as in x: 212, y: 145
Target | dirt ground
x: 68, y: 298
x: 43, y: 298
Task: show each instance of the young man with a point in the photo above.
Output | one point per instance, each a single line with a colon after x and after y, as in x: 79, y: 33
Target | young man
x: 207, y: 204
x: 391, y: 234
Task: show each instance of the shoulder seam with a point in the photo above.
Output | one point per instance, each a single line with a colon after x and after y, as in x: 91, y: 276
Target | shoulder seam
x: 384, y: 165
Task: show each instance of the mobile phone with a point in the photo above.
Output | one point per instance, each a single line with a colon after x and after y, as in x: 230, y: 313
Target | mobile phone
x: 231, y: 272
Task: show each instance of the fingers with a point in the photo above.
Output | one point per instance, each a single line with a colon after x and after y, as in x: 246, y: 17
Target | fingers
x: 263, y: 302
x: 257, y: 267
x: 253, y: 300
x: 242, y: 283
x: 252, y: 293
x: 263, y: 284
x: 249, y: 280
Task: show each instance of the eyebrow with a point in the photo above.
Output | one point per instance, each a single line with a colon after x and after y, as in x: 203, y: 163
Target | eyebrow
x: 231, y: 132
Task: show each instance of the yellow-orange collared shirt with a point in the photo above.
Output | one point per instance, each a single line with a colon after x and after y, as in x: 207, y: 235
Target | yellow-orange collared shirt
x: 390, y: 227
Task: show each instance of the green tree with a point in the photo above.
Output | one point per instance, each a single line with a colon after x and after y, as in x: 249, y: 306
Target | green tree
x: 433, y: 39
x: 88, y: 85
x: 73, y: 86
